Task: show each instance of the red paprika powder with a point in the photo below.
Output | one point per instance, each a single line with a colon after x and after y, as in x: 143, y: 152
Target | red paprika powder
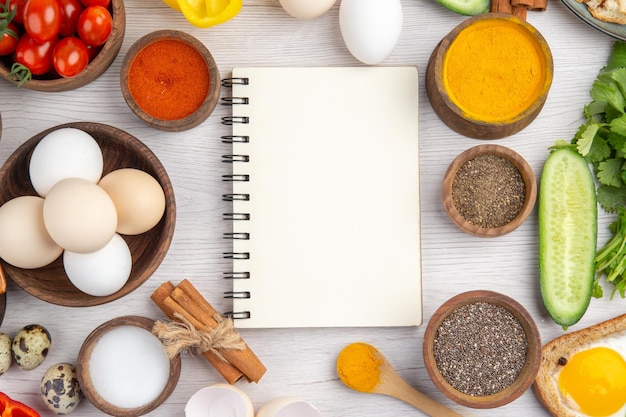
x: 169, y: 79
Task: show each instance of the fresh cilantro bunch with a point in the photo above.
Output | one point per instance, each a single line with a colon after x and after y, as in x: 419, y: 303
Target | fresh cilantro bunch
x: 602, y: 141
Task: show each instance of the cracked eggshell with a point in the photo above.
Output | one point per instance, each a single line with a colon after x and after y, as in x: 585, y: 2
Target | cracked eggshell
x: 219, y: 400
x: 288, y: 406
x: 5, y: 353
x: 30, y: 346
x: 60, y: 388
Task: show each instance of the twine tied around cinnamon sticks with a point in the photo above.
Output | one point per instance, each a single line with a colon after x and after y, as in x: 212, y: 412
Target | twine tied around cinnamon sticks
x: 196, y: 324
x: 181, y: 336
x: 518, y: 8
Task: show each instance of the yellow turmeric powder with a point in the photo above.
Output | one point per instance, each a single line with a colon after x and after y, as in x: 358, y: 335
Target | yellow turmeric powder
x: 358, y: 366
x: 494, y: 70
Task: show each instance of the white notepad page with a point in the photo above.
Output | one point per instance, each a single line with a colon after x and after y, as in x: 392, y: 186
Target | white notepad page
x: 334, y: 197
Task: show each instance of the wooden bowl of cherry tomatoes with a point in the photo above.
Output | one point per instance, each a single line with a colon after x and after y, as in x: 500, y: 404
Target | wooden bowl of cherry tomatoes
x: 50, y: 32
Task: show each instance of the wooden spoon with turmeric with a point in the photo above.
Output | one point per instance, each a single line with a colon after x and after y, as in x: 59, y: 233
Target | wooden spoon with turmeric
x: 363, y: 368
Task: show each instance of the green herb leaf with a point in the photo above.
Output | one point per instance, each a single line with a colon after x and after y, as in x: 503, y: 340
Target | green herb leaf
x: 590, y: 143
x: 611, y: 198
x: 610, y: 172
x: 595, y: 108
x: 602, y: 141
x: 618, y: 57
x: 619, y: 76
x: 608, y: 92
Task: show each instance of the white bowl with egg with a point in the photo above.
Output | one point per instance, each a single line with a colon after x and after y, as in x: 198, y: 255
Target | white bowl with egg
x: 49, y: 281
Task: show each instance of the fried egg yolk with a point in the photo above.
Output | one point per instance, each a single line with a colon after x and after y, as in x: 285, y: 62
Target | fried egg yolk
x: 596, y: 380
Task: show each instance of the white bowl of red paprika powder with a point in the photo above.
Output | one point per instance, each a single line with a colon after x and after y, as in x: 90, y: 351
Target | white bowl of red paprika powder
x: 170, y: 80
x: 490, y: 76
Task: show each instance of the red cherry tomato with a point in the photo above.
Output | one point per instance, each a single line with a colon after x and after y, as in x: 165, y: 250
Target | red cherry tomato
x: 42, y: 19
x: 93, y: 52
x: 94, y: 25
x: 70, y: 12
x: 70, y: 56
x: 19, y: 14
x: 37, y: 57
x: 8, y: 42
x: 103, y: 3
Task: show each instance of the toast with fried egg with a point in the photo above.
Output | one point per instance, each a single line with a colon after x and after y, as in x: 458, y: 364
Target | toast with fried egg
x: 583, y: 373
x: 613, y: 11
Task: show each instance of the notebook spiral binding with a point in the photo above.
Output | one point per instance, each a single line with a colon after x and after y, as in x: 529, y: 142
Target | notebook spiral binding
x: 234, y: 177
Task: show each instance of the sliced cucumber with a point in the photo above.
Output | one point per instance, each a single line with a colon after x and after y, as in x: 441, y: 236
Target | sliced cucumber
x: 466, y: 7
x: 567, y: 235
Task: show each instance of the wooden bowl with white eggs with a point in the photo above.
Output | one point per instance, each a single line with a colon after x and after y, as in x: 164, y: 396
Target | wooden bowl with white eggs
x: 120, y: 151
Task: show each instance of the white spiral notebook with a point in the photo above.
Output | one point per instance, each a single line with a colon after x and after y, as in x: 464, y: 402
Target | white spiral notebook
x: 325, y: 200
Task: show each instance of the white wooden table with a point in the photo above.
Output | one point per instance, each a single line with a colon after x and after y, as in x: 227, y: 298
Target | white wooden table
x: 300, y: 362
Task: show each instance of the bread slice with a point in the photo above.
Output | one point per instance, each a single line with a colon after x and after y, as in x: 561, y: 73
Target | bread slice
x: 560, y: 350
x: 613, y: 11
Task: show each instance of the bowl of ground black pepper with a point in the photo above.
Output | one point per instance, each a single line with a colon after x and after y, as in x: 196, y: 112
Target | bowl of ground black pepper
x: 489, y: 190
x: 482, y: 349
x: 170, y: 80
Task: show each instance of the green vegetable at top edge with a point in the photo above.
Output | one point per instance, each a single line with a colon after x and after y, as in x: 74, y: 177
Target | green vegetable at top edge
x: 602, y: 141
x: 466, y: 7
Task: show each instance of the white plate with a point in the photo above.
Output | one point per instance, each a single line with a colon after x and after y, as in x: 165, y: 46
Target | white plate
x: 614, y: 30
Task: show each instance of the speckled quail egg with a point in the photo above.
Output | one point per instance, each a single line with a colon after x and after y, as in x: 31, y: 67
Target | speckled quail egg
x: 30, y: 346
x: 5, y: 353
x: 60, y: 388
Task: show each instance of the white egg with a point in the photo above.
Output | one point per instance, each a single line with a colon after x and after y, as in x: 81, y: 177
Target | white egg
x: 616, y: 342
x: 64, y: 153
x: 370, y: 28
x: 102, y: 272
x: 24, y: 240
x: 288, y: 407
x: 307, y: 9
x: 219, y: 400
x: 79, y: 215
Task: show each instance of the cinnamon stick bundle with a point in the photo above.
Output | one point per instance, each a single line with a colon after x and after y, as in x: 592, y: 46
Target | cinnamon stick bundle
x: 185, y: 301
x: 520, y: 12
x: 522, y: 3
x: 501, y: 6
x: 517, y: 8
x: 539, y: 5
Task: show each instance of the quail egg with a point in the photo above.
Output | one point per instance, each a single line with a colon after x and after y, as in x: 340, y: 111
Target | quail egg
x: 30, y: 346
x: 5, y: 352
x: 60, y: 388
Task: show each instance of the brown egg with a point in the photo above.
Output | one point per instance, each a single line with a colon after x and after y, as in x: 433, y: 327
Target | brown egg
x: 138, y: 197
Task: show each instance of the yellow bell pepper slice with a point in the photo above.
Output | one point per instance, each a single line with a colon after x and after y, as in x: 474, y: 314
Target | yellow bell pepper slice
x: 206, y: 13
x: 173, y: 4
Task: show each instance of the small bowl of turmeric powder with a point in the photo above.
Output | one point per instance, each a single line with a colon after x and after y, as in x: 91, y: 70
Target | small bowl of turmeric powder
x: 490, y: 76
x: 170, y: 80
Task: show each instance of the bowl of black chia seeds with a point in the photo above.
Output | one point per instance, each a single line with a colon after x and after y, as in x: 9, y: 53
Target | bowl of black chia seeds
x: 482, y: 349
x: 489, y: 190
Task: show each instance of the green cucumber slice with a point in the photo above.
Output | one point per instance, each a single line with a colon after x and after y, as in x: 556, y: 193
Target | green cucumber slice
x: 466, y: 7
x: 567, y: 235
